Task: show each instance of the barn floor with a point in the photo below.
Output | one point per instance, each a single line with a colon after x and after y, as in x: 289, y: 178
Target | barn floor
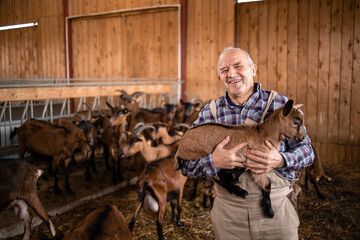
x: 336, y: 217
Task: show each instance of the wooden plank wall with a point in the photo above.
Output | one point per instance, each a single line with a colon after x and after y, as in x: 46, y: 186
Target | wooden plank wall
x: 32, y: 52
x: 210, y: 28
x: 309, y: 51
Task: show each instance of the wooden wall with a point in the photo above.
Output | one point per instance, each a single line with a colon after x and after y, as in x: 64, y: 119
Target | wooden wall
x: 210, y: 29
x: 32, y: 52
x: 309, y: 50
x: 306, y: 49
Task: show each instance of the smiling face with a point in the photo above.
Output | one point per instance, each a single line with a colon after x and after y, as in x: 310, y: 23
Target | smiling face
x: 236, y: 72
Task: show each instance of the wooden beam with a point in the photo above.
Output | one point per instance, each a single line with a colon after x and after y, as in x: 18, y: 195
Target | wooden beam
x: 41, y: 93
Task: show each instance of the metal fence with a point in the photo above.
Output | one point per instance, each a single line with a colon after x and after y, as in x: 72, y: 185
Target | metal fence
x: 15, y: 113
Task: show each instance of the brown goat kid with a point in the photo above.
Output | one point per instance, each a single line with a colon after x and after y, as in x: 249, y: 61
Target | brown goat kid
x: 158, y: 183
x: 201, y: 140
x: 18, y: 190
x: 104, y: 224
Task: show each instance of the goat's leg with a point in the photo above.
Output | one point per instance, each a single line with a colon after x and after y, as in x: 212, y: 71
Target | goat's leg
x: 56, y: 181
x: 27, y: 224
x: 160, y: 218
x: 34, y: 202
x: 179, y: 223
x: 193, y: 195
x: 316, y: 186
x: 89, y: 162
x: 106, y: 156
x: 67, y: 176
x: 120, y: 177
x: 137, y: 212
x: 226, y: 180
x: 208, y: 185
x: 172, y: 204
x: 266, y: 202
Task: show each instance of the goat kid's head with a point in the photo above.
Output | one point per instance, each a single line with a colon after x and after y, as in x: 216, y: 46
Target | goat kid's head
x: 293, y: 121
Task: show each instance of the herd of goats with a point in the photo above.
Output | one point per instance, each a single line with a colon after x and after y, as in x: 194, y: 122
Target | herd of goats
x: 123, y: 131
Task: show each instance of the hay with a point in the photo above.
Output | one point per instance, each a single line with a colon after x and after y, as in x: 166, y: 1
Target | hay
x: 336, y: 217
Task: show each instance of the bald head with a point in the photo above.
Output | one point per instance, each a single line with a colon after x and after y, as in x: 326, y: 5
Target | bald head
x: 228, y: 49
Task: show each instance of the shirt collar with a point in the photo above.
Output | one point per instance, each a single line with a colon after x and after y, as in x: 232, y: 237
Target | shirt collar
x: 253, y: 97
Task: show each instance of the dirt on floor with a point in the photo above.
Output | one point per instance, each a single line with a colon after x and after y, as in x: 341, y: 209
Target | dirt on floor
x: 335, y: 217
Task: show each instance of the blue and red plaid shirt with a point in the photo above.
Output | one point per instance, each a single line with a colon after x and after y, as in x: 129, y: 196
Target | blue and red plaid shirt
x: 297, y: 155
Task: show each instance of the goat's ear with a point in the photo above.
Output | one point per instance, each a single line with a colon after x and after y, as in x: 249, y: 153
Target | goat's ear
x: 288, y: 106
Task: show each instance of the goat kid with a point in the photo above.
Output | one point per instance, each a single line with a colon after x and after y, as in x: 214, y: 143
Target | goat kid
x: 103, y: 224
x: 202, y: 140
x: 18, y: 190
x: 158, y: 183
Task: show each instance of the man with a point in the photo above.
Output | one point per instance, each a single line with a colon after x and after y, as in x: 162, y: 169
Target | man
x: 242, y: 218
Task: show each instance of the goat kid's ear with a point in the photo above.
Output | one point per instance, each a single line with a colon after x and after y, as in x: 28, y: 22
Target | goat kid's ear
x: 287, y: 108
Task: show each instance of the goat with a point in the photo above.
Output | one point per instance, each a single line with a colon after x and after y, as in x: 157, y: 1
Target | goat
x: 56, y: 142
x: 165, y: 114
x: 132, y: 104
x: 103, y: 224
x: 86, y: 147
x: 139, y: 144
x: 202, y: 140
x: 316, y: 173
x: 18, y: 190
x: 158, y: 183
x: 188, y: 108
x: 112, y: 136
x: 163, y: 134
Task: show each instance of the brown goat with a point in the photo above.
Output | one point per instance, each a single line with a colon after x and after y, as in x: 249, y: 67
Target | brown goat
x: 201, y: 140
x: 45, y: 139
x: 112, y: 137
x: 158, y: 183
x: 104, y: 224
x: 18, y: 190
x: 139, y: 144
x: 316, y: 173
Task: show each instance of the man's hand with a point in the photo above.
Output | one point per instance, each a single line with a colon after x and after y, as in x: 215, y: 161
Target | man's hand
x: 264, y: 162
x: 226, y: 158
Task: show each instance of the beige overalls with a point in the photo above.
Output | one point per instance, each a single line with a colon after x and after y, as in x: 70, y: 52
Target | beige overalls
x: 234, y: 217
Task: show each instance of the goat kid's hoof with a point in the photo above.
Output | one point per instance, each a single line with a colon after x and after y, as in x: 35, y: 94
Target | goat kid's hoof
x: 267, y: 209
x: 240, y: 192
x: 180, y: 224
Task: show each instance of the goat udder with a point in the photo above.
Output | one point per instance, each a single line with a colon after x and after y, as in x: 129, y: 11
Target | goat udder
x: 150, y: 203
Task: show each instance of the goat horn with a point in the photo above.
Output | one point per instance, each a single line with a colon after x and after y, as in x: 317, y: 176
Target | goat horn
x: 79, y: 116
x: 142, y: 128
x: 90, y: 109
x: 139, y: 124
x: 196, y: 96
x: 136, y: 93
x: 186, y: 96
x: 123, y: 93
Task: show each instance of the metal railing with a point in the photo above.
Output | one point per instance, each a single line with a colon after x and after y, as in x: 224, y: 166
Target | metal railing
x: 15, y: 113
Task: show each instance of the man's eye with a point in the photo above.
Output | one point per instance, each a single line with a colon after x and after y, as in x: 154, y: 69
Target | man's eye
x: 224, y: 71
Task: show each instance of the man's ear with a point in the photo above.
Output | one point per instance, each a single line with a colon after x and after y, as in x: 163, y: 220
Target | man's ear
x: 254, y: 69
x: 219, y: 78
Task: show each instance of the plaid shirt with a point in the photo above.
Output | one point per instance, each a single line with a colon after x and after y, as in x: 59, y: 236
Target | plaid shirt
x: 297, y: 155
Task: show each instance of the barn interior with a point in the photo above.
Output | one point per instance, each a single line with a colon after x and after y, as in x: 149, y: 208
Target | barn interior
x: 88, y: 51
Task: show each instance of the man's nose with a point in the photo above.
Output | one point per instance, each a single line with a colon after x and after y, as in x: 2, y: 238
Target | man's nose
x: 231, y: 72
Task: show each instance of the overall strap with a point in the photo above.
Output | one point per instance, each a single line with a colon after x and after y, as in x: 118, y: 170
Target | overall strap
x: 213, y: 109
x: 271, y: 97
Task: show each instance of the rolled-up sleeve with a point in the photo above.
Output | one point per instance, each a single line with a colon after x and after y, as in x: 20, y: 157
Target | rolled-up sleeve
x: 198, y: 168
x: 297, y: 155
